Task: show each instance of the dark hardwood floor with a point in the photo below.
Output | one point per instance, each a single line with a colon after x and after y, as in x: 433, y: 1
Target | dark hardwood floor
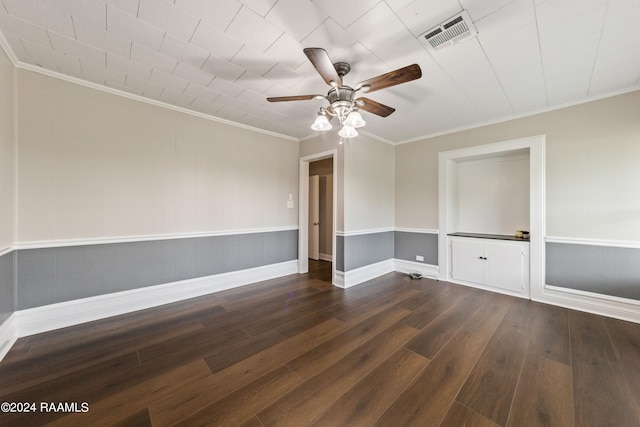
x: 297, y: 351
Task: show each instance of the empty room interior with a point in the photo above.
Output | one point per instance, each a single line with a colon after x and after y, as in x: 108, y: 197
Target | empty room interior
x: 320, y: 212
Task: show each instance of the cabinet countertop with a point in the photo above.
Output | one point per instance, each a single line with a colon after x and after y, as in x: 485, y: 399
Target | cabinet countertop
x: 489, y: 236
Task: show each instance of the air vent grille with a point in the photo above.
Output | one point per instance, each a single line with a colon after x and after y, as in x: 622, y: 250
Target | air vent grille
x: 453, y: 30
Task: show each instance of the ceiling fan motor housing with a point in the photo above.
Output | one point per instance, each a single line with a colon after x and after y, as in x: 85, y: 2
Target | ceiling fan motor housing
x: 342, y: 93
x: 341, y: 101
x: 342, y: 68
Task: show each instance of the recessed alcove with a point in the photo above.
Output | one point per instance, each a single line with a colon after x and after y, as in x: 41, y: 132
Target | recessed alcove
x: 494, y: 189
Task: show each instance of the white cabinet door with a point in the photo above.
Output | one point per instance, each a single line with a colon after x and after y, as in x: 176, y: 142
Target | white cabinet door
x: 504, y: 266
x: 467, y: 263
x: 491, y: 264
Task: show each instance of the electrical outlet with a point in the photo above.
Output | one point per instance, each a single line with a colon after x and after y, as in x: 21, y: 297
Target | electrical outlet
x: 419, y: 258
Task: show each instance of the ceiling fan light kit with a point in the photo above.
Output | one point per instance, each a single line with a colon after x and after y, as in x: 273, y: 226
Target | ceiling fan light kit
x: 343, y: 103
x: 321, y: 123
x: 355, y: 120
x: 348, y: 132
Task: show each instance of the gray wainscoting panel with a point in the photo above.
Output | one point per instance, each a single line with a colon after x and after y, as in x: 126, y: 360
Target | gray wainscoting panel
x: 338, y: 256
x: 600, y: 269
x: 366, y: 249
x: 407, y: 245
x: 52, y: 275
x: 7, y: 289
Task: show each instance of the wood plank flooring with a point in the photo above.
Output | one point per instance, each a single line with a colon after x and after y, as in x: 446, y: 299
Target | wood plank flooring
x: 296, y: 351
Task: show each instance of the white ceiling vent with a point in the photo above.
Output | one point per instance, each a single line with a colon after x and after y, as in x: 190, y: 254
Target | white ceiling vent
x: 450, y: 32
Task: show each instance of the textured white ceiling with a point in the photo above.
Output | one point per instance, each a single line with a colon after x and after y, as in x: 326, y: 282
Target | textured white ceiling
x: 224, y: 57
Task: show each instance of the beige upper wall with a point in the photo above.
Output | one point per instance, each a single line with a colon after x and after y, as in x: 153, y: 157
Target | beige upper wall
x: 94, y: 165
x: 592, y: 173
x: 365, y: 175
x: 7, y: 152
x: 368, y: 186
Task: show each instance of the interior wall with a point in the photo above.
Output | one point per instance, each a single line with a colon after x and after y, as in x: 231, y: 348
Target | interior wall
x: 365, y: 198
x: 95, y: 166
x: 7, y: 152
x: 369, y: 190
x: 7, y: 188
x: 591, y: 167
x: 493, y: 195
x: 591, y: 156
x: 369, y: 199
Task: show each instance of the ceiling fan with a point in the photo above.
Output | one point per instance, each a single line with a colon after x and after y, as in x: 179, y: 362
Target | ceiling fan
x: 343, y: 101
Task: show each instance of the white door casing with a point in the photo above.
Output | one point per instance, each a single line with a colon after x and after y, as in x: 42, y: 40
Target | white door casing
x: 303, y: 187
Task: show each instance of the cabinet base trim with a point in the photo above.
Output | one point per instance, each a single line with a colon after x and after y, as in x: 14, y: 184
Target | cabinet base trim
x: 489, y: 288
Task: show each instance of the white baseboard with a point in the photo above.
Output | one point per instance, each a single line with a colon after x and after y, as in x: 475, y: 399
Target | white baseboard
x: 368, y: 272
x: 326, y: 257
x: 371, y: 271
x: 338, y: 279
x: 603, y: 305
x: 426, y: 270
x: 54, y: 316
x: 8, y: 335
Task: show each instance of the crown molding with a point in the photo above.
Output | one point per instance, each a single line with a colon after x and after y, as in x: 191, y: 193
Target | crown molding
x: 118, y: 92
x: 521, y: 116
x: 56, y: 75
x: 4, y: 43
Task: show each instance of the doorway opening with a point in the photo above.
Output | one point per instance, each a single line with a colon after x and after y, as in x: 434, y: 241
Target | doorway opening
x: 317, y: 219
x: 320, y: 223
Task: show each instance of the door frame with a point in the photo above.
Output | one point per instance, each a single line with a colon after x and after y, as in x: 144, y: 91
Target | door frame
x: 537, y: 220
x: 303, y: 211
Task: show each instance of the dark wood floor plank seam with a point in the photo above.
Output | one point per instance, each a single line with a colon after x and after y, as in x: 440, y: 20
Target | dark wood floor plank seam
x: 478, y: 420
x: 424, y: 401
x: 307, y: 401
x: 325, y: 355
x: 362, y: 404
x: 435, y: 335
x: 245, y: 371
x: 626, y: 342
x: 573, y: 385
x: 491, y: 385
x: 517, y: 386
x: 139, y: 396
x: 245, y: 402
x: 597, y: 370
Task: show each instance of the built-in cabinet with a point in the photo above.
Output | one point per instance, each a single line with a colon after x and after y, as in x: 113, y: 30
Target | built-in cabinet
x: 495, y: 263
x: 496, y: 190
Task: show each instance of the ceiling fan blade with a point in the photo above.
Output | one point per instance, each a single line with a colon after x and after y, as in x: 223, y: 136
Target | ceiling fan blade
x: 392, y: 78
x: 375, y: 107
x: 321, y: 61
x: 294, y: 98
